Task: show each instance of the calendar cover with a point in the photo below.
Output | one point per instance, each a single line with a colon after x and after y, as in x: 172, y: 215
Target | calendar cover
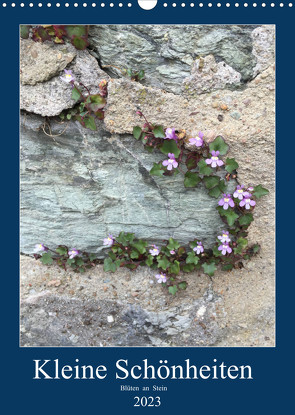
x: 143, y: 190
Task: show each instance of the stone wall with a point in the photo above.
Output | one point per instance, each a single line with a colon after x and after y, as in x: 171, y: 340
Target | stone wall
x: 78, y: 186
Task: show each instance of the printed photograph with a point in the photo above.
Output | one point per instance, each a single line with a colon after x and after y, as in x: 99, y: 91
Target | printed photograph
x: 147, y: 185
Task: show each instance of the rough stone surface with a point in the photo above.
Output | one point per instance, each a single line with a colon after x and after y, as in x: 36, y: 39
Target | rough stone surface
x: 263, y: 47
x: 40, y: 62
x: 78, y: 186
x: 84, y: 185
x: 50, y: 98
x: 61, y: 308
x: 167, y: 52
x: 207, y: 75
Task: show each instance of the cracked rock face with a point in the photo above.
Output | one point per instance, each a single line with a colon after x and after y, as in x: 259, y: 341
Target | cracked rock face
x: 167, y: 52
x: 42, y: 91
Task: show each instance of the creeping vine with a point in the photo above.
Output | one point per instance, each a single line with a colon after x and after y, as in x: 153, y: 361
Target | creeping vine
x: 200, y: 163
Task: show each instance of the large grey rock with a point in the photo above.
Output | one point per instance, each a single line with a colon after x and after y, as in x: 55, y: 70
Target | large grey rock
x: 39, y: 62
x: 51, y: 97
x: 167, y: 52
x: 207, y: 75
x: 84, y: 185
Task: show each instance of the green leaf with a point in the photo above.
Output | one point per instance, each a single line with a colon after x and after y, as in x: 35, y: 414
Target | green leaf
x: 62, y: 250
x: 191, y: 163
x: 188, y: 268
x: 90, y: 122
x: 246, y: 219
x: 149, y: 261
x: 222, y: 186
x: 241, y: 245
x: 109, y: 265
x: 191, y: 179
x: 231, y: 165
x: 140, y: 74
x: 92, y: 257
x: 216, y: 252
x: 134, y: 255
x: 170, y: 146
x: 46, y: 258
x: 231, y: 216
x: 219, y: 145
x: 182, y: 285
x: 215, y: 192
x: 24, y: 31
x: 173, y: 245
x: 76, y: 95
x: 163, y: 262
x: 173, y: 289
x: 76, y: 30
x: 256, y: 248
x: 159, y: 133
x: 260, y: 191
x: 140, y: 246
x: 112, y: 255
x: 80, y: 42
x: 204, y: 169
x: 211, y: 181
x: 71, y: 261
x: 157, y: 170
x: 174, y: 268
x: 97, y: 102
x: 79, y: 261
x: 209, y: 269
x: 227, y: 267
x: 81, y: 269
x: 137, y: 132
x: 192, y: 258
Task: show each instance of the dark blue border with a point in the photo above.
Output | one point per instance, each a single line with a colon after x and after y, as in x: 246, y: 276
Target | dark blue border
x: 269, y: 391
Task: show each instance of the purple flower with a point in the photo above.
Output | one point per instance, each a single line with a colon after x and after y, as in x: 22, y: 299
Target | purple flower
x: 199, y: 248
x: 108, y: 241
x: 161, y: 277
x: 172, y: 252
x: 226, y: 201
x: 40, y: 248
x: 68, y: 76
x: 247, y: 202
x: 214, y: 161
x: 171, y: 162
x: 170, y: 134
x: 239, y: 192
x: 225, y: 248
x: 224, y: 238
x: 155, y: 251
x: 72, y: 253
x: 250, y: 189
x: 198, y: 141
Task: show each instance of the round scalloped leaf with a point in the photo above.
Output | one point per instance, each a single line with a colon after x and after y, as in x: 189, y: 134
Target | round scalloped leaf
x: 231, y: 165
x: 80, y: 43
x: 24, y: 31
x: 219, y: 145
x: 157, y: 170
x: 76, y: 30
x: 209, y: 269
x: 191, y: 179
x: 170, y: 146
x: 158, y: 132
